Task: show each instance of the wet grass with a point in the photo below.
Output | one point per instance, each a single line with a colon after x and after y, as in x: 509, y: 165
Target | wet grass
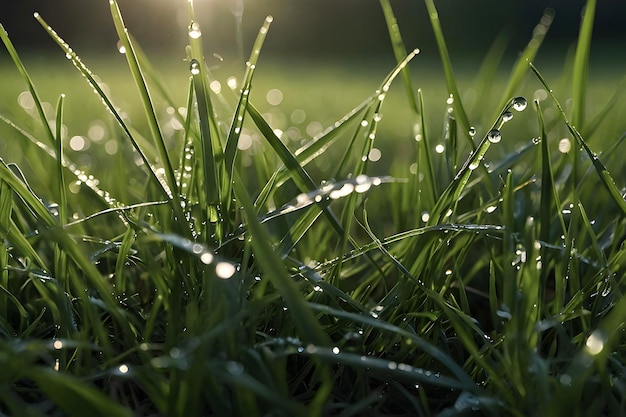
x: 414, y: 242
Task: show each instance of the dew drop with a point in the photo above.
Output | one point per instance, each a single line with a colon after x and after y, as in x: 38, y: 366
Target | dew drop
x: 595, y: 343
x: 120, y: 47
x: 194, y: 30
x: 472, y: 131
x: 195, y: 67
x: 507, y: 116
x: 519, y: 103
x: 494, y: 136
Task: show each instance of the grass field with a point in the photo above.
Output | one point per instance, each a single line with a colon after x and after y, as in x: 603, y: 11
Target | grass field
x: 312, y: 238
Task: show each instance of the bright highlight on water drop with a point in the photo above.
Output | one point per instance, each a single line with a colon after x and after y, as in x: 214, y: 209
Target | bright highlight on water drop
x: 519, y: 103
x: 494, y: 136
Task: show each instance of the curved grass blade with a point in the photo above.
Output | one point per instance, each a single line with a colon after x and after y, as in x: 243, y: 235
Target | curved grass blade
x: 486, y: 229
x: 269, y: 261
x: 72, y: 56
x: 317, y: 147
x: 300, y: 177
x: 397, y: 371
x: 230, y: 150
x: 74, y: 396
x: 31, y: 87
x: 51, y: 227
x: 462, y: 378
x: 603, y: 173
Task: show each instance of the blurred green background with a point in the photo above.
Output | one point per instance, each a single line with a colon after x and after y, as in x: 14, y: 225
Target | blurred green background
x: 321, y: 59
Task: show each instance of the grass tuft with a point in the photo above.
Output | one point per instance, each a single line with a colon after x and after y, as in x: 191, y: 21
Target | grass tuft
x: 211, y: 264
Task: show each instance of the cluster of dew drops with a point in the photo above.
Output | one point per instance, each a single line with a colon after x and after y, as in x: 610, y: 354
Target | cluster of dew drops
x: 518, y: 104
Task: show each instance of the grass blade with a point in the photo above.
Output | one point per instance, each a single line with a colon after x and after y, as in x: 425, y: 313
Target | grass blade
x: 148, y: 105
x: 603, y: 174
x: 399, y: 50
x: 581, y: 64
x: 107, y: 102
x: 453, y: 89
x: 230, y: 149
x: 31, y: 87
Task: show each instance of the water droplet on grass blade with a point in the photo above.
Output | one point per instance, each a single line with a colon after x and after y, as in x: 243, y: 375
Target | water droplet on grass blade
x: 195, y: 67
x: 472, y: 131
x: 120, y: 47
x: 194, y: 30
x: 507, y: 116
x: 519, y: 103
x: 494, y: 136
x: 595, y: 343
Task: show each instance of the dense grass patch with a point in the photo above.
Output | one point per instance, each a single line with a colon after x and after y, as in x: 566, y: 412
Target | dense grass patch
x: 221, y: 250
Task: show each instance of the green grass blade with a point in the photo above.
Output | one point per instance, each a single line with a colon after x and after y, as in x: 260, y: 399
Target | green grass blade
x: 210, y: 167
x: 6, y: 210
x: 146, y: 101
x: 230, y: 149
x: 317, y: 147
x: 269, y: 261
x: 452, y: 193
x: 548, y: 190
x: 422, y: 344
x: 581, y: 65
x: 105, y: 99
x: 453, y: 89
x: 399, y: 51
x: 520, y: 68
x: 31, y: 87
x: 301, y: 178
x: 603, y: 174
x: 426, y: 150
x: 73, y: 396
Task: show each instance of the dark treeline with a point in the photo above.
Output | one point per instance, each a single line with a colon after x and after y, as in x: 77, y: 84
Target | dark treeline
x: 305, y: 28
